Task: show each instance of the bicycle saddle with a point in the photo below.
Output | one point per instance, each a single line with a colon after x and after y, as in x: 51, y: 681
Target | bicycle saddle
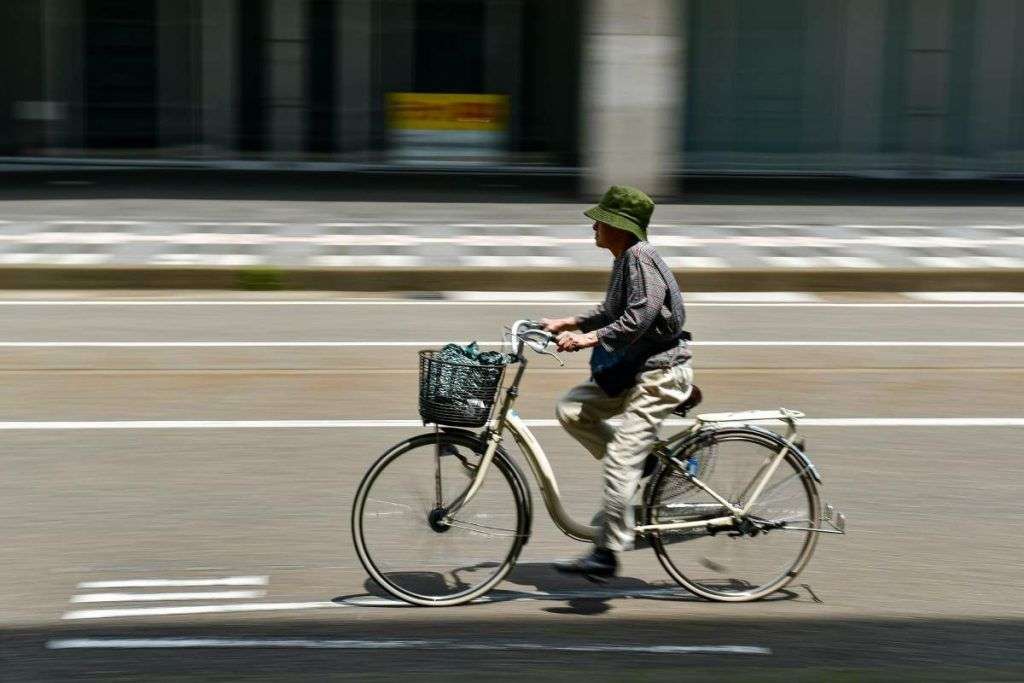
x: 691, y: 402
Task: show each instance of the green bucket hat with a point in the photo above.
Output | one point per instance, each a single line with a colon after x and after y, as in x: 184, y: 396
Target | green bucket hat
x: 625, y: 208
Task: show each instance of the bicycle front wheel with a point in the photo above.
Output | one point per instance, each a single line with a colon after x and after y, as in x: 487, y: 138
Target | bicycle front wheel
x: 741, y: 564
x: 402, y: 539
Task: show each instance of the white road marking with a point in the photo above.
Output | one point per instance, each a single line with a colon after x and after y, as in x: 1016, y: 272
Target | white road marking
x: 100, y: 222
x: 790, y: 261
x: 193, y: 609
x: 707, y: 298
x: 435, y: 343
x: 526, y: 298
x: 941, y: 261
x: 240, y: 224
x: 380, y: 644
x: 851, y: 262
x: 383, y: 260
x: 243, y: 344
x: 441, y: 221
x: 694, y: 299
x: 21, y: 257
x: 999, y: 261
x: 58, y: 259
x: 40, y: 425
x: 695, y: 262
x: 519, y: 225
x: 894, y: 344
x: 178, y: 583
x: 206, y: 259
x: 77, y: 259
x: 967, y: 297
x: 161, y: 597
x: 856, y: 226
x: 374, y: 224
x: 511, y: 239
x: 527, y: 261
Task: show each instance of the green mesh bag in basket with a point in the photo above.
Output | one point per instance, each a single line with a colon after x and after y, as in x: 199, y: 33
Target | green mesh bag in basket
x: 458, y: 385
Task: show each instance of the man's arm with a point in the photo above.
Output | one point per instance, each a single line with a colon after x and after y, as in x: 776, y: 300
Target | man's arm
x: 587, y: 322
x: 593, y: 319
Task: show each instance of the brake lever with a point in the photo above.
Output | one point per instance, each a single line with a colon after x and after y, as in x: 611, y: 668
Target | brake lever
x: 555, y: 356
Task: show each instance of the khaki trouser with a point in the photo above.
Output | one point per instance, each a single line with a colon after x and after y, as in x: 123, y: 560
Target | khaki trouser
x: 584, y: 412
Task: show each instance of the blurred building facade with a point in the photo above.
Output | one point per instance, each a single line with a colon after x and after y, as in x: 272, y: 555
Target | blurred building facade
x: 646, y: 90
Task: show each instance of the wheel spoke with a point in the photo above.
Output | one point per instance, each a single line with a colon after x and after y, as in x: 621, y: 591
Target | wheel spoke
x: 482, y: 528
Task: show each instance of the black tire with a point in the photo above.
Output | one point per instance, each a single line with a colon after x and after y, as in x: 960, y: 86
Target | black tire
x: 679, y: 551
x: 406, y: 585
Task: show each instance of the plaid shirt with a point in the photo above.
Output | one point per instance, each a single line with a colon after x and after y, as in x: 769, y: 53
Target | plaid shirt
x: 637, y: 308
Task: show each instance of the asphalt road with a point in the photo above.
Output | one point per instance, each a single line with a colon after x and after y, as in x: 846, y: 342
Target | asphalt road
x: 926, y: 586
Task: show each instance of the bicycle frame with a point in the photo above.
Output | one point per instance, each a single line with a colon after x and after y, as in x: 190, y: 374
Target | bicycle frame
x: 508, y: 419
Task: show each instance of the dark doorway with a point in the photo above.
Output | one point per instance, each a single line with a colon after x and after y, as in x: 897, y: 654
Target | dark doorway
x: 449, y: 46
x: 321, y: 31
x: 120, y: 74
x: 252, y: 113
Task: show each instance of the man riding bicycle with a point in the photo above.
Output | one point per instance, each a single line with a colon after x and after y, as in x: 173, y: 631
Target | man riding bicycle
x: 640, y: 368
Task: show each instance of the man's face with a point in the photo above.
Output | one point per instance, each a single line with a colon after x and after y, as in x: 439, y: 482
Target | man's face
x: 602, y: 238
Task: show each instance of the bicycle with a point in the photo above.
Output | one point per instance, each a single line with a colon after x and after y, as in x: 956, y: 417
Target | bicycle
x: 721, y: 490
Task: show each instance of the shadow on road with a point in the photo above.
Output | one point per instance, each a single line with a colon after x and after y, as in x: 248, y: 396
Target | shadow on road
x: 580, y: 596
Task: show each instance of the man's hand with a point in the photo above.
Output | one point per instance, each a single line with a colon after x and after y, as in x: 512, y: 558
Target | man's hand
x: 557, y: 325
x: 568, y: 341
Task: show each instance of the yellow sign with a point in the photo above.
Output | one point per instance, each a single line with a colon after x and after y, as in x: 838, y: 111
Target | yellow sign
x: 436, y: 111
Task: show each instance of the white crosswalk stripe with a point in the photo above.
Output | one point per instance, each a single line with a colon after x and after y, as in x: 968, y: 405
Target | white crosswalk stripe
x: 209, y: 590
x: 408, y: 243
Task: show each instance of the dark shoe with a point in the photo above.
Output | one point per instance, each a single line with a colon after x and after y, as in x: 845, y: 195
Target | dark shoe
x: 598, y: 566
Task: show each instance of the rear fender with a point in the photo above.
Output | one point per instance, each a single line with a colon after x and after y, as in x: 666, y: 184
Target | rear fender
x: 775, y: 438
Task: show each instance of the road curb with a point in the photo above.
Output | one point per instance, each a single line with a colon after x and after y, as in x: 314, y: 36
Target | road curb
x: 499, y: 279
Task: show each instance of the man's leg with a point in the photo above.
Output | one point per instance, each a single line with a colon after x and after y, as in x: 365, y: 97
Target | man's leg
x: 646, y: 406
x: 583, y: 412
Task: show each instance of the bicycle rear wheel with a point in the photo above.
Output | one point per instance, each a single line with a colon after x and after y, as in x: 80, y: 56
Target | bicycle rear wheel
x: 734, y: 568
x: 399, y: 535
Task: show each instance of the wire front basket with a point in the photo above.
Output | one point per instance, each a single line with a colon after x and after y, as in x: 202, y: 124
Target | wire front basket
x: 457, y: 394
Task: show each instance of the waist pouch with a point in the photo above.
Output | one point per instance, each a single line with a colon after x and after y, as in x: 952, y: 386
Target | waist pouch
x: 616, y: 371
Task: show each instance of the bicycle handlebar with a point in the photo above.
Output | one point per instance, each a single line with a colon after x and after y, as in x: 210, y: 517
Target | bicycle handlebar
x: 531, y: 333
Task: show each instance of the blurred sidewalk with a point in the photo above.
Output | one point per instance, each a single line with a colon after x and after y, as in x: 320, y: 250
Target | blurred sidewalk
x: 326, y: 222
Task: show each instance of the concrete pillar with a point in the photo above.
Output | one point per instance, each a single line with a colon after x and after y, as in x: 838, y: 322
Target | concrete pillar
x: 711, y: 81
x: 995, y: 51
x: 632, y: 94
x: 503, y: 56
x: 862, y: 80
x: 177, y: 112
x: 397, y: 48
x: 395, y: 56
x: 24, y: 113
x: 288, y: 65
x: 354, y: 76
x: 65, y: 74
x: 928, y: 77
x: 822, y: 78
x: 219, y: 76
